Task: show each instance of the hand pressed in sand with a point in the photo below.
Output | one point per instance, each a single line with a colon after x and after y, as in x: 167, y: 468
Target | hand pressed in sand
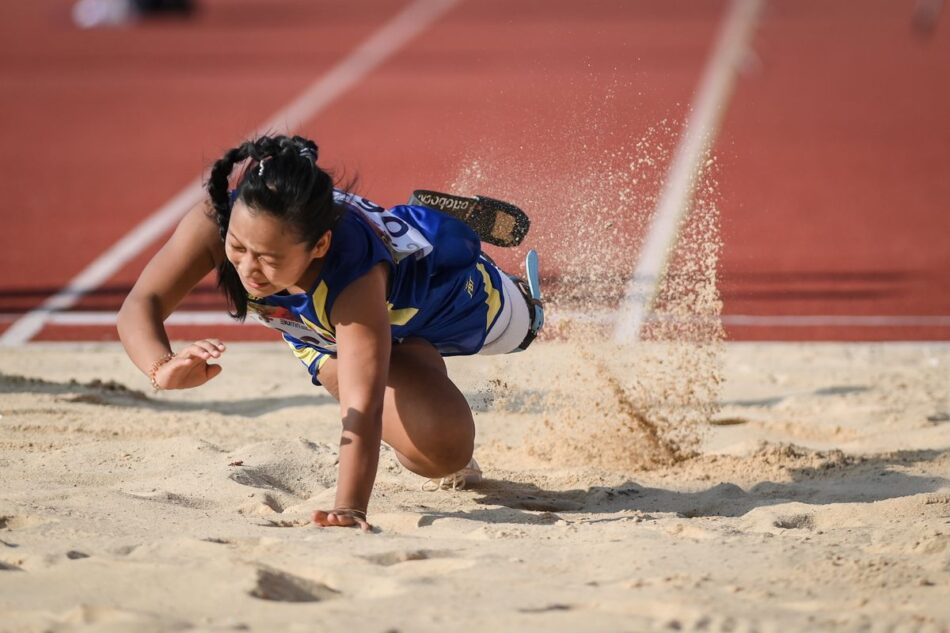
x: 340, y: 518
x: 189, y: 367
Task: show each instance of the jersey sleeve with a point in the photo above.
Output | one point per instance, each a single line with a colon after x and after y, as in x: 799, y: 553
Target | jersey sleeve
x: 355, y: 248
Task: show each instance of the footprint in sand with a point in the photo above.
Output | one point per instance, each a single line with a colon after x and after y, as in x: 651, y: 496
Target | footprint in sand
x: 387, y: 559
x: 276, y: 488
x: 256, y: 478
x: 262, y: 504
x: 280, y: 586
x: 29, y: 563
x: 421, y: 563
x: 267, y: 504
x: 546, y: 608
x: 285, y: 523
x: 776, y: 519
x: 10, y: 522
x: 711, y: 623
x: 795, y: 522
x: 543, y: 504
x: 273, y: 503
x: 171, y: 498
x: 113, y: 619
x: 692, y: 532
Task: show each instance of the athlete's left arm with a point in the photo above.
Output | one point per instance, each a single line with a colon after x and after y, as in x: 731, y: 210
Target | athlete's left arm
x: 364, y: 343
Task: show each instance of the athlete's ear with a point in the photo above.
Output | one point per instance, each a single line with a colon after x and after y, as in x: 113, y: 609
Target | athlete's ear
x: 322, y: 246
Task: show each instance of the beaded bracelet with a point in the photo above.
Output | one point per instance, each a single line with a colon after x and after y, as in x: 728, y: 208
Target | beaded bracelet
x: 359, y: 514
x: 156, y: 366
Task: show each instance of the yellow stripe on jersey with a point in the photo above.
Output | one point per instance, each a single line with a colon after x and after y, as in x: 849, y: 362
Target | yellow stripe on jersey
x: 306, y: 354
x: 493, y: 299
x: 400, y: 316
x: 320, y: 309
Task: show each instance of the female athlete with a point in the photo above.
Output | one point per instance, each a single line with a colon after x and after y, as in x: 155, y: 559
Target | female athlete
x: 368, y: 299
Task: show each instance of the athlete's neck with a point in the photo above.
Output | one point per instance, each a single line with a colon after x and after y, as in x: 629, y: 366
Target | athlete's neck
x: 309, y: 277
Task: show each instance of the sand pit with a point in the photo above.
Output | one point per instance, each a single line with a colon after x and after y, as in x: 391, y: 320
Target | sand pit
x: 816, y: 499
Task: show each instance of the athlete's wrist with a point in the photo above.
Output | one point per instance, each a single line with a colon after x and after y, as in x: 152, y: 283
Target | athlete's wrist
x: 351, y: 512
x: 154, y: 367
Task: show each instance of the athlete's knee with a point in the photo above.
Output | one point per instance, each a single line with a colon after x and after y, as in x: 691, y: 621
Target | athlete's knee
x: 437, y: 463
x: 452, y: 453
x: 458, y: 458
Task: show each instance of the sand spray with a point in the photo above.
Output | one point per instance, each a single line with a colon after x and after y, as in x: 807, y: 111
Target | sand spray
x: 629, y: 407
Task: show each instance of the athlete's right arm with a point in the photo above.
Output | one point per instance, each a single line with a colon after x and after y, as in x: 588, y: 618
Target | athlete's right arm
x: 193, y: 250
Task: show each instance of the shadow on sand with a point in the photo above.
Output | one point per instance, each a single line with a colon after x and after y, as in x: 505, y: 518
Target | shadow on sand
x: 842, y: 482
x: 111, y: 393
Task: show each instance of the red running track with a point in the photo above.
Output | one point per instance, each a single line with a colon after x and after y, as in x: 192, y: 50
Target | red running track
x: 833, y: 157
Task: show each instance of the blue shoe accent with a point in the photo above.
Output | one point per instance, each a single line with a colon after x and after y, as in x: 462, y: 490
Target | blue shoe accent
x: 534, y: 284
x: 531, y: 290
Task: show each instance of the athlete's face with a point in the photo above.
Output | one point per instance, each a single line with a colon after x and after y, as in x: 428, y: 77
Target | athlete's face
x: 267, y: 254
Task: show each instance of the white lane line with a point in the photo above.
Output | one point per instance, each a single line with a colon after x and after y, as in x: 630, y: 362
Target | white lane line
x: 408, y: 23
x: 196, y: 317
x: 676, y: 197
x: 836, y: 321
x: 788, y: 320
x: 203, y: 317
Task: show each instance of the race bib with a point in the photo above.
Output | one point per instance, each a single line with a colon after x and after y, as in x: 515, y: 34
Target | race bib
x: 284, y: 321
x: 401, y: 239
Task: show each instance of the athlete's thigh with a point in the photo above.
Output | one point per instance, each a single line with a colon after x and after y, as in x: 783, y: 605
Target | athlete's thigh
x: 426, y: 419
x: 420, y: 384
x: 415, y: 366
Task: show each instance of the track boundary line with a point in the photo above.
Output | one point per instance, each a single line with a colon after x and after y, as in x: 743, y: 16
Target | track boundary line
x: 676, y: 196
x: 210, y: 317
x: 783, y: 320
x: 382, y: 44
x: 868, y: 320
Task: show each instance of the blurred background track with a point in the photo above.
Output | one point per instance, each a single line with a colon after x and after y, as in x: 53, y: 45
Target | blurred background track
x: 833, y: 160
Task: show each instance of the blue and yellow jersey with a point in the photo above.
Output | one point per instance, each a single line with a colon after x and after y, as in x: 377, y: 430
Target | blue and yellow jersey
x: 440, y: 287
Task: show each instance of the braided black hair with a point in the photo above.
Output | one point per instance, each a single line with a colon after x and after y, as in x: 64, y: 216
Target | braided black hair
x: 290, y: 186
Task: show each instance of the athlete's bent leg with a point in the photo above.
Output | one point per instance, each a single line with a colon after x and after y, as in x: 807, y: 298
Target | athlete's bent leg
x: 426, y: 419
x: 522, y: 314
